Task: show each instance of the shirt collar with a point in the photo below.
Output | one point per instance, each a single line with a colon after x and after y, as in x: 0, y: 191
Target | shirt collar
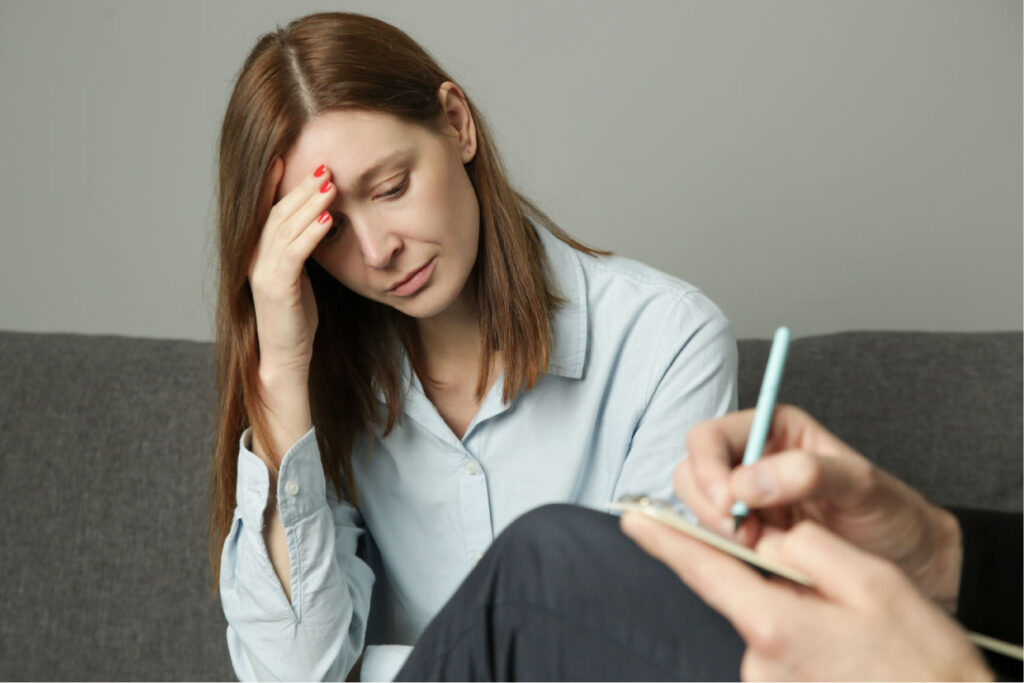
x: 569, y: 323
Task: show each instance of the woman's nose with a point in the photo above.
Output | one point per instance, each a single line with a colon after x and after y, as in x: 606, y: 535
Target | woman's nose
x: 377, y: 244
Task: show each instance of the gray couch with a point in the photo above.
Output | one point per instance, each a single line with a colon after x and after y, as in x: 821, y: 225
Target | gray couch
x: 106, y: 443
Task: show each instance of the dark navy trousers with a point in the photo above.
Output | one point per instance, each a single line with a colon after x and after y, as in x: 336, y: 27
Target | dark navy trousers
x: 563, y: 594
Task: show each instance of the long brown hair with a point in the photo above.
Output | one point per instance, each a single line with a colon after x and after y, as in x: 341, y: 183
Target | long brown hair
x: 340, y: 61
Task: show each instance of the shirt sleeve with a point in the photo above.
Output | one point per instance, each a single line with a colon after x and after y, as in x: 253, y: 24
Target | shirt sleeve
x: 692, y: 378
x: 319, y: 633
x: 383, y: 662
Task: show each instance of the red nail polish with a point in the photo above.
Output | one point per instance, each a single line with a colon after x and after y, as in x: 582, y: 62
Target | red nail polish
x: 324, y: 217
x: 319, y: 171
x: 326, y: 186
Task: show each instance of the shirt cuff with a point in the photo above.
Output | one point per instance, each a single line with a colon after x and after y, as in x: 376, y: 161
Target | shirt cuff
x: 382, y: 662
x: 301, y: 487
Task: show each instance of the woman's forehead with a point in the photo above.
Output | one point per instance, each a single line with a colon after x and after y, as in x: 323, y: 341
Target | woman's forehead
x: 347, y: 142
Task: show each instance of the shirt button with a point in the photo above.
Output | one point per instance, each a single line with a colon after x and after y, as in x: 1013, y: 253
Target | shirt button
x: 291, y: 488
x: 470, y: 467
x: 477, y: 558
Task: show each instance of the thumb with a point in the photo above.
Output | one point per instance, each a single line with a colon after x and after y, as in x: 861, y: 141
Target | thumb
x: 797, y: 476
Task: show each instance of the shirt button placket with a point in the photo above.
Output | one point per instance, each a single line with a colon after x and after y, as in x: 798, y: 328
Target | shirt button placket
x: 476, y: 509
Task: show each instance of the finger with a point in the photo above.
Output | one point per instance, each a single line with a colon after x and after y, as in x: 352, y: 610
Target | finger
x: 729, y: 586
x: 306, y: 242
x: 305, y: 201
x: 839, y: 570
x: 793, y: 428
x: 713, y: 448
x: 796, y: 476
x: 716, y: 446
x: 709, y: 513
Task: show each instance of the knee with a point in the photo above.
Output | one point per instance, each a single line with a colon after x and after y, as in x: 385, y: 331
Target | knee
x: 552, y: 526
x: 552, y: 548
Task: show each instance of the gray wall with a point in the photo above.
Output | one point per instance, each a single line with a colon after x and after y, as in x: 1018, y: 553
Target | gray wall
x: 828, y: 165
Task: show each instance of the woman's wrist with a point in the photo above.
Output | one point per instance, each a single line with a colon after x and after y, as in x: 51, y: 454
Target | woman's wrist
x: 287, y: 415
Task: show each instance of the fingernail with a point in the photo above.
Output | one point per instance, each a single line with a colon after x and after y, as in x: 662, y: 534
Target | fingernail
x: 326, y: 186
x: 324, y: 217
x: 319, y: 171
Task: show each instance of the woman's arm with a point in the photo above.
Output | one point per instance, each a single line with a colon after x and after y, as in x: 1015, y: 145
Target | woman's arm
x: 692, y: 378
x: 315, y: 630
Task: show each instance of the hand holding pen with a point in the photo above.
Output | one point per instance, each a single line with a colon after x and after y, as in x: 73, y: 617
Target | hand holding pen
x: 806, y: 472
x: 877, y: 570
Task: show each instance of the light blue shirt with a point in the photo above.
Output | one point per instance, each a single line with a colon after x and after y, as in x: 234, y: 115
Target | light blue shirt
x: 638, y: 358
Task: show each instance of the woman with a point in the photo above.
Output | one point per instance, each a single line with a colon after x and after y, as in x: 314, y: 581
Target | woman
x: 395, y: 319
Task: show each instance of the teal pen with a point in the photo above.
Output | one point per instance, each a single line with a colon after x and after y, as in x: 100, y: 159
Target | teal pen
x: 763, y: 412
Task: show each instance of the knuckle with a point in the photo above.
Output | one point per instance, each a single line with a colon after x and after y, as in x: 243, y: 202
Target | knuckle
x: 787, y: 411
x: 806, y: 470
x: 766, y: 634
x: 294, y: 253
x: 275, y: 214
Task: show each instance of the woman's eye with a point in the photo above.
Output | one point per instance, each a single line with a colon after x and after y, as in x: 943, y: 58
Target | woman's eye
x: 394, y: 191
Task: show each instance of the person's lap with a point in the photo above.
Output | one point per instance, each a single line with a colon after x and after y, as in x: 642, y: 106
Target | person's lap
x: 562, y: 594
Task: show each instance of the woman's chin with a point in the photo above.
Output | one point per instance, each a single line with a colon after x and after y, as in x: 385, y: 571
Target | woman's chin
x: 422, y: 309
x: 430, y: 301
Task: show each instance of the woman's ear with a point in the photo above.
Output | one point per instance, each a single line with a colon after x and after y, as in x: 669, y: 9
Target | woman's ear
x: 460, y: 120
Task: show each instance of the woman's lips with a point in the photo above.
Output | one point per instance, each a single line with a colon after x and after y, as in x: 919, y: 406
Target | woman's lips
x: 415, y: 281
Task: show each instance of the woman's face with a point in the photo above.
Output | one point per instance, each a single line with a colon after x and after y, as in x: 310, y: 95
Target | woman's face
x: 416, y: 209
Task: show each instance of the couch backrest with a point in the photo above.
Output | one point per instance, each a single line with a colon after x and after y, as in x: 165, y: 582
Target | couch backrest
x: 106, y: 446
x: 942, y: 411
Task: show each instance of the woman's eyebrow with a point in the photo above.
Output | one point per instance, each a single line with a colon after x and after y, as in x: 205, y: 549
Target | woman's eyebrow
x: 366, y: 176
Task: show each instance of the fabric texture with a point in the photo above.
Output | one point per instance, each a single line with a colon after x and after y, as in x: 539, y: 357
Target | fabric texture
x: 104, y: 461
x: 564, y: 595
x: 638, y: 358
x: 992, y: 581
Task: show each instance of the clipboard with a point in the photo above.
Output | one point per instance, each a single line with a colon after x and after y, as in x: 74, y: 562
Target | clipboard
x: 666, y: 513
